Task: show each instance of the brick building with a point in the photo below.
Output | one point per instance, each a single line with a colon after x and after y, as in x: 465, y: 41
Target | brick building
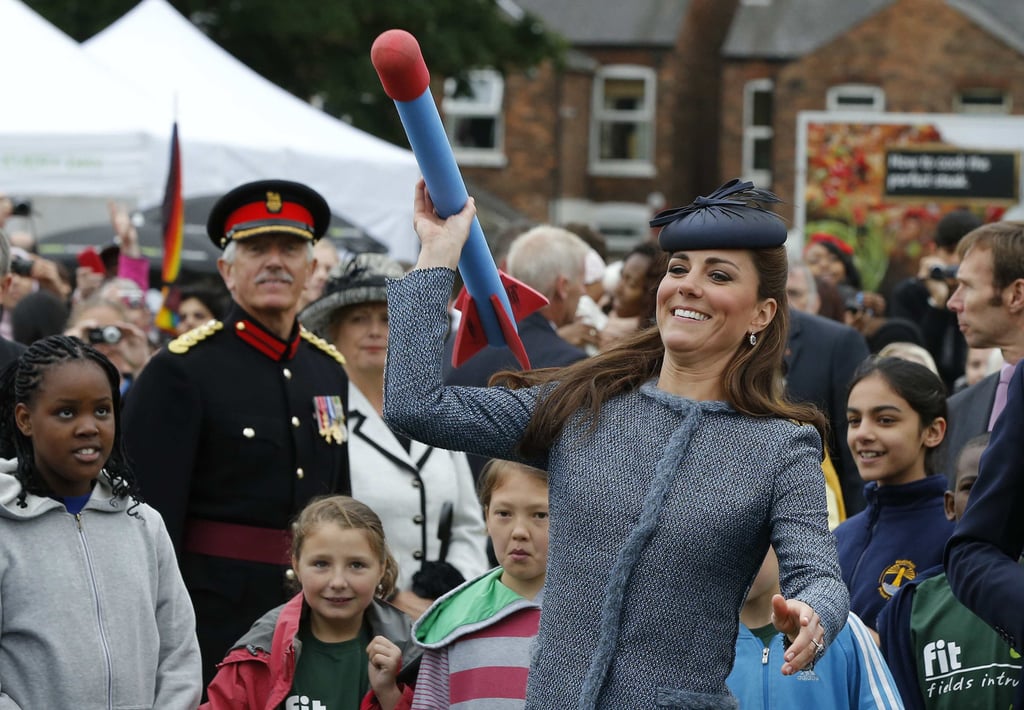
x: 628, y: 121
x: 786, y: 56
x: 660, y: 100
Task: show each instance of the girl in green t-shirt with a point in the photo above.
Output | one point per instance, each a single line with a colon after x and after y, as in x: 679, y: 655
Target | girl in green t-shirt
x: 335, y: 641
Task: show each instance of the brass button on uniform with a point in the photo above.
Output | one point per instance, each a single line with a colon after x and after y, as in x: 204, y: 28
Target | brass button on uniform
x: 287, y: 373
x: 299, y: 473
x: 417, y: 555
x: 295, y: 422
x: 418, y: 519
x: 415, y: 483
x: 248, y: 432
x: 290, y: 575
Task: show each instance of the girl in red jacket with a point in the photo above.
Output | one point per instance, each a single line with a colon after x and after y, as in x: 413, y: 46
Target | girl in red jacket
x: 336, y: 644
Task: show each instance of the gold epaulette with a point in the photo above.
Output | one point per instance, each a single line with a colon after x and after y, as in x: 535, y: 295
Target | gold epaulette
x: 184, y: 342
x: 319, y: 343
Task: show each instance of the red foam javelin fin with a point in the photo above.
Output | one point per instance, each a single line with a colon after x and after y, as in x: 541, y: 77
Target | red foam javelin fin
x: 508, y: 329
x: 523, y: 299
x: 470, y: 338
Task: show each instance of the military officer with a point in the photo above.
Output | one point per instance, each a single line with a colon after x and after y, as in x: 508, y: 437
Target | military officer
x: 237, y: 424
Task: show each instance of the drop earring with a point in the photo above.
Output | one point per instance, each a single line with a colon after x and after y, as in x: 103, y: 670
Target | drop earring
x: 753, y: 340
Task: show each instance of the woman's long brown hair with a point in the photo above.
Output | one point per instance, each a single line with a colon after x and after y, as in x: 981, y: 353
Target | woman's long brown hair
x: 753, y: 380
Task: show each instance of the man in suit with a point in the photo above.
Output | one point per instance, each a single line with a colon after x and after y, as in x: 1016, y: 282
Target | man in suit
x: 821, y: 356
x: 549, y: 260
x: 9, y: 350
x: 991, y: 259
x: 983, y: 556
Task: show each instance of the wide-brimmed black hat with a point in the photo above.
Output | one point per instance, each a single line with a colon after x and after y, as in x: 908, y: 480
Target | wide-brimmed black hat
x: 268, y: 206
x: 358, y: 279
x: 731, y: 217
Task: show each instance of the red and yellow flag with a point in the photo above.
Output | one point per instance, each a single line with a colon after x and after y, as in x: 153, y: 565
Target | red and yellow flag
x: 173, y: 232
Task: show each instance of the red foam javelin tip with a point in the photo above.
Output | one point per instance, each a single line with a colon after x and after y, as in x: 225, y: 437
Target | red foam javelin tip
x: 399, y: 63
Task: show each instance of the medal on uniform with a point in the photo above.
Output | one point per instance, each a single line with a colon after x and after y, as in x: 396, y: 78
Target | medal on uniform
x: 330, y: 418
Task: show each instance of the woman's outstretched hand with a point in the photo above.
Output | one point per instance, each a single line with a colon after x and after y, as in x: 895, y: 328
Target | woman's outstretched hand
x: 441, y: 240
x: 802, y: 627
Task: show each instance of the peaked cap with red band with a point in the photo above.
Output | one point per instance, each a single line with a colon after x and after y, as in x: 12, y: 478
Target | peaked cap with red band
x: 268, y: 207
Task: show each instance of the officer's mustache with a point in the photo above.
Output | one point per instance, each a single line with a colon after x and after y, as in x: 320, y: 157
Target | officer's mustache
x: 274, y: 275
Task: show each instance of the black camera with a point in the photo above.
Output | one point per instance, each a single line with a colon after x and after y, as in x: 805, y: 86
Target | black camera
x: 21, y: 207
x: 853, y: 301
x: 109, y: 334
x: 942, y: 273
x: 21, y: 266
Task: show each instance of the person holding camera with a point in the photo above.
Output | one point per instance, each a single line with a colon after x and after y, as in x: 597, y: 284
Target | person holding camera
x: 104, y: 324
x: 922, y: 299
x: 29, y: 273
x: 13, y: 207
x: 9, y: 350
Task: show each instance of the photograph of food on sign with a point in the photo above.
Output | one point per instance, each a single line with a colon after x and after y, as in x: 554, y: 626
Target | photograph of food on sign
x: 881, y: 182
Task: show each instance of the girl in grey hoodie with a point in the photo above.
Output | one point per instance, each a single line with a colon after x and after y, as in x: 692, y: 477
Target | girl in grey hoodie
x: 93, y: 611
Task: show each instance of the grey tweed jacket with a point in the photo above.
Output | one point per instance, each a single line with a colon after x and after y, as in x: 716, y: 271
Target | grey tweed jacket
x: 660, y: 519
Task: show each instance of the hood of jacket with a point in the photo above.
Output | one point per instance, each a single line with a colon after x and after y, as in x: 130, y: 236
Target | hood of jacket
x: 102, y: 498
x: 471, y: 606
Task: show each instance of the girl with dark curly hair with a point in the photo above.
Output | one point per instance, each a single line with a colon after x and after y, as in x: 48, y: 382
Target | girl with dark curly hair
x: 91, y: 588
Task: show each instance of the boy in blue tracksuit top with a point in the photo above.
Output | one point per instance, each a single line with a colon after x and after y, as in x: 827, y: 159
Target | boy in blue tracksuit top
x: 852, y: 674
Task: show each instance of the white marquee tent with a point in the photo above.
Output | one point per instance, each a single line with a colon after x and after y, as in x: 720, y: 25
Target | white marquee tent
x: 69, y: 126
x: 95, y: 120
x: 237, y: 126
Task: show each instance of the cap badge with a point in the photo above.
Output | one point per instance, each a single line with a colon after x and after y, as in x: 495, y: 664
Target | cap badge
x: 273, y: 202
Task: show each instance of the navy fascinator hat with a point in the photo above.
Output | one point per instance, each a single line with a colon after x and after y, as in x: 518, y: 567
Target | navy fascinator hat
x: 731, y: 217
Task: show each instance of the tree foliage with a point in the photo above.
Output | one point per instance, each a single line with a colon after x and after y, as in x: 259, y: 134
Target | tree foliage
x: 321, y: 48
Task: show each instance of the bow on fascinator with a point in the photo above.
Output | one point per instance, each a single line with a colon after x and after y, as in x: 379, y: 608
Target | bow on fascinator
x: 731, y: 217
x: 744, y: 191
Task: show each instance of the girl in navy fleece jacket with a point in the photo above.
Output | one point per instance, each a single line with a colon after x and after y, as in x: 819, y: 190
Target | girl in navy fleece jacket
x: 896, y: 411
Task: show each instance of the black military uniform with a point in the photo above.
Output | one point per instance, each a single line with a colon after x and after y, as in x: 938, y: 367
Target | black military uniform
x: 232, y: 431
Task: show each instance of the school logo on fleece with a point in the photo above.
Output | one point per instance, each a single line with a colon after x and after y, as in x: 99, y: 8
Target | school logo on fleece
x: 303, y: 702
x: 894, y: 576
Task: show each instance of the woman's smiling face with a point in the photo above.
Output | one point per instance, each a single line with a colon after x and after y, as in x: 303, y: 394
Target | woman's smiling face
x: 708, y: 304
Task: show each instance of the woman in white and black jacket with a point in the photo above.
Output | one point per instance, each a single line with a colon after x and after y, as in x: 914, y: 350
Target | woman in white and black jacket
x: 406, y: 482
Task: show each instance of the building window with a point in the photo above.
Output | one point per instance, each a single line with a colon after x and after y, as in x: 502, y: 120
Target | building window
x: 474, y: 120
x: 983, y: 101
x: 758, y: 96
x: 855, y: 97
x: 622, y: 122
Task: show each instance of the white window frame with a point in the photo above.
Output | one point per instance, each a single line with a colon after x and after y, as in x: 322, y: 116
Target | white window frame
x: 599, y: 115
x: 456, y: 107
x: 836, y: 94
x: 960, y: 105
x: 754, y: 133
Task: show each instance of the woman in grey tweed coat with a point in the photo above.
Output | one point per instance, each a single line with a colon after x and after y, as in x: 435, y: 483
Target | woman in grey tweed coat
x: 673, y: 460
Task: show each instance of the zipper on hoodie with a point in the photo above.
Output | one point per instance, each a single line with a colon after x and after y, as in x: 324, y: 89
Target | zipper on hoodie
x: 99, y: 614
x: 764, y: 676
